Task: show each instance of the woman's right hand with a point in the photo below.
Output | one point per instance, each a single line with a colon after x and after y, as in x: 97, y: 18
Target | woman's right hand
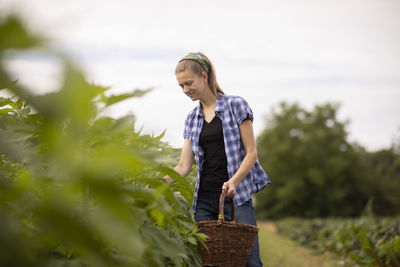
x: 230, y: 188
x: 168, y: 179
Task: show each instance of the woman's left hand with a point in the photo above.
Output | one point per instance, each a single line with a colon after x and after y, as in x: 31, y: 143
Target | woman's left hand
x: 230, y: 188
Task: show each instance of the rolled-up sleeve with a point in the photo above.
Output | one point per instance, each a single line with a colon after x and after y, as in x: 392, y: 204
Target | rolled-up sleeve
x: 241, y: 110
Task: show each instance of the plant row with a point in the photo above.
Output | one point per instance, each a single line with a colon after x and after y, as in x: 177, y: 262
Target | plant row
x: 365, y: 241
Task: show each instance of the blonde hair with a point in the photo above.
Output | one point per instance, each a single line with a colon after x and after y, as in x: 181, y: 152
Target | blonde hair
x: 198, y: 69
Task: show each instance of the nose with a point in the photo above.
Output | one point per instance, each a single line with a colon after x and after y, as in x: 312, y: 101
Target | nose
x: 185, y: 89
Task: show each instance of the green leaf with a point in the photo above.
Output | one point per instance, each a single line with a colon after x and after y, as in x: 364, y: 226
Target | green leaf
x: 6, y: 111
x: 118, y: 98
x: 14, y: 36
x: 7, y: 101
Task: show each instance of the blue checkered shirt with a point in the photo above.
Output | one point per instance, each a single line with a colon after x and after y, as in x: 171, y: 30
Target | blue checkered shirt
x: 232, y: 110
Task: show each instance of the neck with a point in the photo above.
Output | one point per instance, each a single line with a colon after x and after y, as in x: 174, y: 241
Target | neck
x: 209, y: 101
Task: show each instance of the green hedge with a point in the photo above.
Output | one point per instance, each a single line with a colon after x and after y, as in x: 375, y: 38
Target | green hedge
x: 366, y: 240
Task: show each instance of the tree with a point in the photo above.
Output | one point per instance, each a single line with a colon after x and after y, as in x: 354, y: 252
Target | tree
x: 313, y: 168
x: 383, y: 180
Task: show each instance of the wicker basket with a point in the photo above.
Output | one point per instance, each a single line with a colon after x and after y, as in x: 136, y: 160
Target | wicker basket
x: 228, y: 243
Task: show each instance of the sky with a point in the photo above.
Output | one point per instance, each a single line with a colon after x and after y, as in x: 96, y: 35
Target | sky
x: 304, y: 51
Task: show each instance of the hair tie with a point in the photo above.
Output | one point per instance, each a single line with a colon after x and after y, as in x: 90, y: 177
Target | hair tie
x: 199, y: 58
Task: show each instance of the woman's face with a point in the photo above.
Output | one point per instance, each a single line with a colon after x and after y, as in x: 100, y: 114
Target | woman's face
x: 192, y: 85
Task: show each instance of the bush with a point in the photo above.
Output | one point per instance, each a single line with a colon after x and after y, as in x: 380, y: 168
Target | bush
x: 80, y: 189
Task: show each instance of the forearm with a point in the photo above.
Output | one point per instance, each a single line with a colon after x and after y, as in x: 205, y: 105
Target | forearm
x: 185, y: 162
x: 245, y: 167
x: 181, y: 170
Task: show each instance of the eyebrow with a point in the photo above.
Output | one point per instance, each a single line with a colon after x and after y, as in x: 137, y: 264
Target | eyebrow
x: 186, y: 82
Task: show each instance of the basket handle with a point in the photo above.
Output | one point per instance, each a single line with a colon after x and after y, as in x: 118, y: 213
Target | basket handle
x: 221, y: 207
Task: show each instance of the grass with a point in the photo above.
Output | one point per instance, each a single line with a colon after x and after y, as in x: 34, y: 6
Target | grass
x: 280, y: 251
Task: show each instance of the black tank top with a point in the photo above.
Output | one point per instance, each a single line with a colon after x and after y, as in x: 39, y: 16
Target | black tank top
x: 214, y: 170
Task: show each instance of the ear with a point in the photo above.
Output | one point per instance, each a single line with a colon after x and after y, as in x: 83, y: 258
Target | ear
x: 204, y: 76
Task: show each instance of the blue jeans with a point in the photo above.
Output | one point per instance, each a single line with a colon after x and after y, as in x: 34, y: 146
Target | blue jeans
x: 207, y: 209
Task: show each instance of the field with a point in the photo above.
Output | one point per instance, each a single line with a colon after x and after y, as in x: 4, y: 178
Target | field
x: 363, y: 241
x: 277, y: 250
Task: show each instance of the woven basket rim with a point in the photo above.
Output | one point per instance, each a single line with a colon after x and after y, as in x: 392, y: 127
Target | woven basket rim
x: 249, y: 227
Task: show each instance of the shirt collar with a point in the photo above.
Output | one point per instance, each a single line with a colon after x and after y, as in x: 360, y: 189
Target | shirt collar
x: 218, y: 109
x: 220, y: 103
x: 198, y: 111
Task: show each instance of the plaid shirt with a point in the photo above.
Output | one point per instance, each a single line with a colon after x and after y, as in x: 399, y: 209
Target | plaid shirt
x: 232, y: 110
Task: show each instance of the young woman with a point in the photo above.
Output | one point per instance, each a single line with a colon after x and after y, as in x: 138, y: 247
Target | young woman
x: 219, y: 135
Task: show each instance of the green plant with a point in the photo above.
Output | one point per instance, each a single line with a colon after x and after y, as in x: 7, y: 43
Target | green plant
x: 80, y: 189
x: 367, y: 240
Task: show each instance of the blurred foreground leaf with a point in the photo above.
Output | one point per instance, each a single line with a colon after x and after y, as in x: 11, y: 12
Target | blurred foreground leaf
x: 79, y: 189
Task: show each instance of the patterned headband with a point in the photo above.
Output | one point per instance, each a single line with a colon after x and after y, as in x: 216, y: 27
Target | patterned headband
x: 199, y: 58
